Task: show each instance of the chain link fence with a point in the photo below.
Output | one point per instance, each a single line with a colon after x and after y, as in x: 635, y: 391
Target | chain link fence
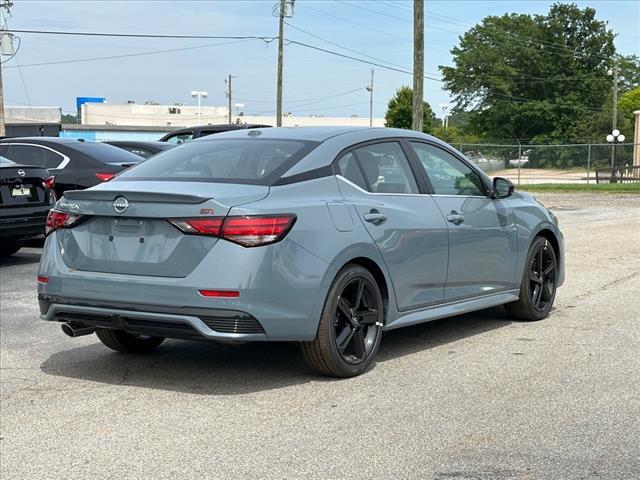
x: 535, y: 163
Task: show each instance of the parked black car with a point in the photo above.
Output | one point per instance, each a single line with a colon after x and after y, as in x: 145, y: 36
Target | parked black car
x: 76, y: 164
x: 24, y: 204
x: 144, y: 149
x: 191, y: 133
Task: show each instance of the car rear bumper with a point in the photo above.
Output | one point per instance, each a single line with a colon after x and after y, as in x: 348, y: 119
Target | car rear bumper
x: 219, y: 324
x: 281, y: 290
x: 27, y: 224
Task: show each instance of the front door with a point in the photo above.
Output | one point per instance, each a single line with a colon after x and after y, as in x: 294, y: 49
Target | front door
x: 406, y: 225
x: 482, y: 231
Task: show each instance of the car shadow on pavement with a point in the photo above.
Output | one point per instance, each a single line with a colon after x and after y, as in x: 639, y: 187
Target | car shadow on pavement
x: 218, y: 369
x: 23, y: 257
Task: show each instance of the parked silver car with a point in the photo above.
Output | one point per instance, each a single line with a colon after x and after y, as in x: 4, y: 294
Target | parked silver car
x: 323, y: 236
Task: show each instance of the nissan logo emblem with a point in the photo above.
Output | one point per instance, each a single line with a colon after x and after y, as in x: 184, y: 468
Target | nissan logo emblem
x: 120, y: 204
x: 21, y: 173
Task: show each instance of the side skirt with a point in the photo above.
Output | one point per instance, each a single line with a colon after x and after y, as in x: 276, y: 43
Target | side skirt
x: 453, y: 308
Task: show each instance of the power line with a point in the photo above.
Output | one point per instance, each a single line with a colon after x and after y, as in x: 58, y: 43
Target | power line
x: 127, y: 55
x: 265, y: 38
x: 328, y: 97
x: 367, y: 27
x: 341, y: 46
x: 338, y: 54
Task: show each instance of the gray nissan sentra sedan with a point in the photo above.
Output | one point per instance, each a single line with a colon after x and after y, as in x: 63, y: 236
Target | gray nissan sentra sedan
x: 324, y: 236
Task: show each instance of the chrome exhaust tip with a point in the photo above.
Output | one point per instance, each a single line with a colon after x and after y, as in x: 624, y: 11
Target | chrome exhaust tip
x: 76, y: 329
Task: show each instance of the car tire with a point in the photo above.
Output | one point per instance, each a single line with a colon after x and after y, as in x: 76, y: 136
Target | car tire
x: 350, y: 327
x: 124, y: 342
x: 9, y: 248
x: 539, y: 283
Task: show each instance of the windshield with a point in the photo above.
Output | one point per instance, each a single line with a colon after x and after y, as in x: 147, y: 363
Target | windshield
x: 251, y: 160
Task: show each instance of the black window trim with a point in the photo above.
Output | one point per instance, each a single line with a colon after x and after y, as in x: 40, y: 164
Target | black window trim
x: 423, y: 185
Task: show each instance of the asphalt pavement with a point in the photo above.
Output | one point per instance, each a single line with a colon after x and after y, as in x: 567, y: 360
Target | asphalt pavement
x: 472, y: 397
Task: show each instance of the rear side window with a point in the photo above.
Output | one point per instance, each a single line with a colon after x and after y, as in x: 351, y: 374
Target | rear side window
x: 349, y: 169
x: 256, y: 161
x: 103, y: 152
x: 180, y: 138
x: 34, y: 155
x: 386, y: 169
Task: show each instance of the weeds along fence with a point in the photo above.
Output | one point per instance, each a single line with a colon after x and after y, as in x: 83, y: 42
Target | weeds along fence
x: 536, y: 162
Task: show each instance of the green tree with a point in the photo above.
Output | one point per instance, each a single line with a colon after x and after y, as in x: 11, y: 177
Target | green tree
x: 630, y: 101
x: 66, y: 118
x: 399, y: 111
x: 536, y: 77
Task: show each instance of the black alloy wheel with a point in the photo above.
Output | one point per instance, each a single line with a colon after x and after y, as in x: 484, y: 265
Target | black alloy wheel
x: 356, y: 320
x: 539, y: 283
x: 542, y: 278
x: 350, y: 326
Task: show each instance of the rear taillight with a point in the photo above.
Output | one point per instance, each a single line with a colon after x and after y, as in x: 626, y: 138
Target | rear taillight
x: 248, y: 231
x: 199, y: 226
x: 57, y: 219
x: 49, y: 182
x: 105, y: 177
x: 254, y: 231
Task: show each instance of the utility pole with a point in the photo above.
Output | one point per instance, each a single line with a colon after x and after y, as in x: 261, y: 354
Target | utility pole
x: 418, y: 64
x: 280, y: 55
x: 615, y: 94
x: 5, y: 11
x: 285, y: 9
x: 229, y: 97
x: 3, y: 132
x: 614, y: 123
x: 615, y: 109
x: 370, y: 89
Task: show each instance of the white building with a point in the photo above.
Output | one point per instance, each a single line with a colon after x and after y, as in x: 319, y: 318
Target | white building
x: 131, y: 114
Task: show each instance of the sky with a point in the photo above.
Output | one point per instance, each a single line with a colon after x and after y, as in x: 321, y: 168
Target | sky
x: 314, y: 82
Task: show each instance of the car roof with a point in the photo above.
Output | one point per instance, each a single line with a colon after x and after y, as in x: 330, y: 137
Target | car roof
x: 318, y: 134
x: 220, y: 127
x: 56, y: 140
x: 150, y: 143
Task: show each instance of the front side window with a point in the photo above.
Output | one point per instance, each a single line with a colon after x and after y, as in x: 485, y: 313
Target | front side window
x: 386, y: 169
x: 180, y: 138
x: 239, y: 160
x: 448, y: 174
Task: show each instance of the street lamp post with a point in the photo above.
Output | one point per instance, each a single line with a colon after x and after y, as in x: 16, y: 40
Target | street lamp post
x: 200, y: 95
x: 612, y: 138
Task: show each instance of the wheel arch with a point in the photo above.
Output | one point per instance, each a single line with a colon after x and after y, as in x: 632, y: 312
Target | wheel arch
x: 551, y: 237
x: 378, y: 275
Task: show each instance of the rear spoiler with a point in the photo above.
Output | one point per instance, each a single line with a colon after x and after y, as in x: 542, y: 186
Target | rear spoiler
x: 145, y: 197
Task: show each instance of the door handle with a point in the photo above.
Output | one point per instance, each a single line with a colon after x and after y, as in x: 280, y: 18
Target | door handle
x: 375, y: 217
x: 455, y: 218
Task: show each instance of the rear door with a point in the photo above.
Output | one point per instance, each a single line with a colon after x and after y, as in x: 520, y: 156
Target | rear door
x: 405, y: 224
x: 482, y: 231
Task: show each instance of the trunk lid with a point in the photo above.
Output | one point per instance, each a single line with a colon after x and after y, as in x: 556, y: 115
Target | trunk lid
x: 140, y: 240
x: 22, y: 186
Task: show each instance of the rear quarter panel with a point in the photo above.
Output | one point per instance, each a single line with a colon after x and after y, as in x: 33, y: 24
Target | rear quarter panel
x: 320, y: 233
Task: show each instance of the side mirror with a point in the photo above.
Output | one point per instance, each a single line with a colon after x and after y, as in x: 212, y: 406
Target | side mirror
x: 502, y: 188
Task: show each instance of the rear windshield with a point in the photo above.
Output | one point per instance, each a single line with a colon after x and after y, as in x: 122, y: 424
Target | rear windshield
x: 105, y: 153
x: 6, y: 161
x: 250, y: 160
